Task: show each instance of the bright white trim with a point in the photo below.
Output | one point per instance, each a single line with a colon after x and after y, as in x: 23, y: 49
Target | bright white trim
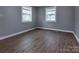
x: 76, y: 37
x: 14, y: 34
x: 55, y: 29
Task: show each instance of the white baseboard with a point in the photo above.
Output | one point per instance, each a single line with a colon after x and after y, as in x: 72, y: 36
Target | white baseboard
x: 56, y: 29
x: 14, y: 34
x: 76, y: 37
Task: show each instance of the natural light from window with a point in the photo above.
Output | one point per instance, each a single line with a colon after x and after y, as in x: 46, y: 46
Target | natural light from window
x: 51, y: 14
x: 26, y: 14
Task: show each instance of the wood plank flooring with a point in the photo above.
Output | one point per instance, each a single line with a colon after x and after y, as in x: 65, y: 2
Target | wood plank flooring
x: 40, y: 41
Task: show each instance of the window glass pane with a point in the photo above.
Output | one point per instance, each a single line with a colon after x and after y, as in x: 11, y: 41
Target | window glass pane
x: 53, y: 17
x: 53, y: 12
x: 26, y: 14
x: 26, y: 11
x: 26, y: 18
x: 50, y: 14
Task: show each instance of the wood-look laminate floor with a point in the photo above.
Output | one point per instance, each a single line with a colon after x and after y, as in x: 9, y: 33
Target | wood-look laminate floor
x: 40, y: 41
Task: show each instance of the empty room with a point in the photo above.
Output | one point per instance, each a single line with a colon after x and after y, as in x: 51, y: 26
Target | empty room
x: 39, y: 29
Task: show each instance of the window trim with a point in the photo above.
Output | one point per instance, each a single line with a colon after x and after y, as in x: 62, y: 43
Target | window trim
x: 46, y: 14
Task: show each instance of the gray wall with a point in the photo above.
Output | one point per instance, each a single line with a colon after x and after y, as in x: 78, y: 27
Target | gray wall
x: 64, y: 18
x: 11, y: 21
x: 76, y: 18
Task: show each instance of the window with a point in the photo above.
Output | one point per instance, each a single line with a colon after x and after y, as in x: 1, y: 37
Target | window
x: 26, y: 14
x: 51, y: 14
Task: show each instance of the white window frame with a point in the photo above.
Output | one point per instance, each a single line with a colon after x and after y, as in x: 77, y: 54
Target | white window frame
x: 50, y: 9
x: 24, y: 14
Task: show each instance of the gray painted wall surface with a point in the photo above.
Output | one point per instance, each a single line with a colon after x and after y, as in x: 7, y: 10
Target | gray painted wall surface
x: 76, y: 14
x: 64, y: 18
x: 11, y: 21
